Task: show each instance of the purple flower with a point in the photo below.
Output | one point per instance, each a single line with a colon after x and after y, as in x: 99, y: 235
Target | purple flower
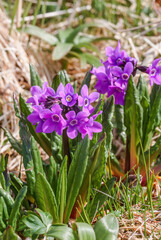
x: 86, y: 100
x: 69, y: 98
x: 119, y: 94
x: 103, y: 78
x: 117, y: 57
x: 154, y: 72
x: 75, y: 123
x: 123, y: 75
x: 35, y: 118
x: 38, y: 94
x: 92, y: 126
x: 53, y: 120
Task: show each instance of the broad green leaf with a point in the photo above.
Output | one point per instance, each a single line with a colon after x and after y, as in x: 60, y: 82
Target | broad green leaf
x: 133, y: 121
x: 41, y: 138
x: 13, y: 141
x: 34, y: 223
x: 76, y: 174
x: 88, y: 46
x: 154, y: 117
x: 85, y: 231
x: 37, y: 161
x: 27, y: 157
x: 16, y: 106
x: 45, y: 197
x: 62, y: 189
x: 16, y: 207
x: 107, y: 115
x: 45, y: 217
x: 40, y: 33
x: 35, y: 79
x: 61, y: 233
x: 9, y: 234
x: 107, y: 228
x: 94, y: 171
x: 64, y: 34
x: 61, y: 50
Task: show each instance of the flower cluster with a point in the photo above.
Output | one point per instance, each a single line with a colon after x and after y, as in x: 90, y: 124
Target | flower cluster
x: 113, y: 75
x: 63, y: 109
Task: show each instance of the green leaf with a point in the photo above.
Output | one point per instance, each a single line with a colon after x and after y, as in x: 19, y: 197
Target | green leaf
x: 52, y: 174
x: 133, y: 121
x: 76, y: 174
x: 144, y: 101
x: 56, y: 146
x: 45, y: 217
x: 107, y: 228
x: 154, y: 116
x: 40, y: 33
x: 13, y: 141
x: 37, y: 161
x: 16, y: 207
x: 5, y: 210
x: 64, y: 78
x: 7, y: 198
x: 86, y: 80
x: 61, y: 50
x: 27, y: 157
x: 62, y: 189
x: 41, y: 138
x: 9, y: 234
x: 35, y: 224
x: 64, y: 34
x: 91, y: 59
x: 85, y: 231
x: 35, y: 79
x: 119, y: 116
x: 61, y: 233
x: 107, y: 115
x: 45, y: 197
x: 2, y: 224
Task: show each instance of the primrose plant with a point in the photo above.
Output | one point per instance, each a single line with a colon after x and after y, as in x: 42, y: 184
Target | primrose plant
x: 64, y: 110
x: 137, y: 111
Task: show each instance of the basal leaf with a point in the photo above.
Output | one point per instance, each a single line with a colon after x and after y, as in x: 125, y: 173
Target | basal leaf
x: 45, y: 197
x: 154, y: 116
x: 61, y: 233
x: 85, y: 231
x: 107, y: 228
x: 35, y: 79
x: 107, y: 115
x: 76, y: 174
x: 133, y: 121
x: 40, y: 33
x: 61, y: 50
x: 16, y: 207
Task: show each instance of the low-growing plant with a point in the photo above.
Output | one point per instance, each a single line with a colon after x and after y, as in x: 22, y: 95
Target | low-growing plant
x: 76, y: 181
